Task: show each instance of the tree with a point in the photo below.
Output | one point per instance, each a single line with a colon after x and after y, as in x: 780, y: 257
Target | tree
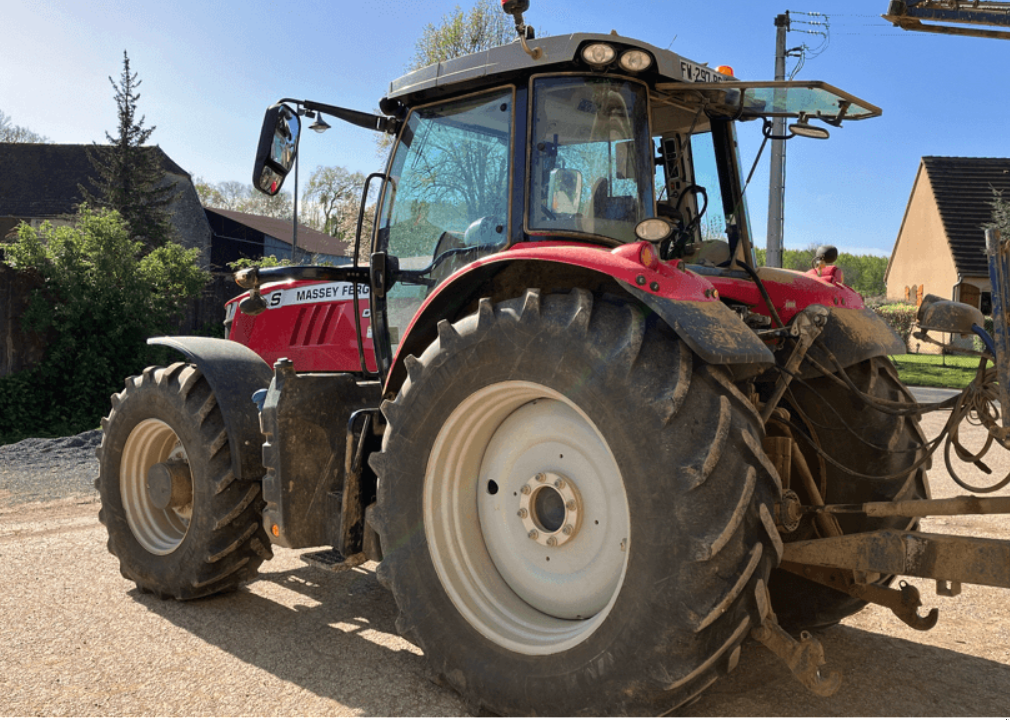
x: 130, y: 177
x: 333, y: 193
x: 10, y: 133
x: 241, y: 197
x: 460, y: 32
x: 102, y: 298
x: 483, y: 27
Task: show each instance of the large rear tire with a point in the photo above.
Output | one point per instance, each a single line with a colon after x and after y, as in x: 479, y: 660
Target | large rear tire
x: 574, y: 511
x: 799, y: 602
x: 203, y: 535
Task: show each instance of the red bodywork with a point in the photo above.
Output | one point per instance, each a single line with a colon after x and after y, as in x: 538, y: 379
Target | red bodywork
x: 309, y: 322
x: 312, y: 322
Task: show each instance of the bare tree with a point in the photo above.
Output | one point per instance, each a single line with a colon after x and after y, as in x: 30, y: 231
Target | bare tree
x: 331, y: 194
x: 236, y: 196
x: 461, y: 32
x: 10, y: 133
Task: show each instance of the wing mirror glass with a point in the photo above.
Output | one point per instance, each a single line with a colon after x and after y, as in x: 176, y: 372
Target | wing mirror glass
x: 565, y: 190
x: 278, y: 147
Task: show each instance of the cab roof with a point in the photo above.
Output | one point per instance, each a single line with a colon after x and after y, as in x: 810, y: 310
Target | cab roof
x: 509, y: 63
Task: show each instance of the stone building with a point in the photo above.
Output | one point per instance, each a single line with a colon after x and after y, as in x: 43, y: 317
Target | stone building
x: 41, y: 182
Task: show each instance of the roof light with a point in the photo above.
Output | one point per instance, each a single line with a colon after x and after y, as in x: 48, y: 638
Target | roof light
x: 635, y: 61
x: 653, y: 229
x: 726, y: 70
x: 598, y: 54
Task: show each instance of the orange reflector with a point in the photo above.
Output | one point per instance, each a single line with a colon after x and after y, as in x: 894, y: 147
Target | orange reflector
x: 276, y: 531
x: 725, y: 70
x: 647, y: 256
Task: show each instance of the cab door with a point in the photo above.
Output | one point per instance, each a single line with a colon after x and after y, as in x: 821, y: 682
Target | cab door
x: 445, y: 204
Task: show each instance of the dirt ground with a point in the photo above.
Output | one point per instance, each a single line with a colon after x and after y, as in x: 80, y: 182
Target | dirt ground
x: 80, y: 641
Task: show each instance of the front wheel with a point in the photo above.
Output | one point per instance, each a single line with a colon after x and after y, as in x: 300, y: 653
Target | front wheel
x: 179, y: 522
x: 574, y: 511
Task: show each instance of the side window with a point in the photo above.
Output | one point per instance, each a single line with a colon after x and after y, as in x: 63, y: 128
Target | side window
x: 691, y: 195
x: 448, y: 203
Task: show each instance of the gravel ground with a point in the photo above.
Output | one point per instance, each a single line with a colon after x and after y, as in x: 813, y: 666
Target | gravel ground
x: 37, y: 470
x: 299, y: 641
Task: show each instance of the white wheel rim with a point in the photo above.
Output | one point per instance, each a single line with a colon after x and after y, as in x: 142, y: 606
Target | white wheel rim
x: 158, y: 531
x: 524, y: 594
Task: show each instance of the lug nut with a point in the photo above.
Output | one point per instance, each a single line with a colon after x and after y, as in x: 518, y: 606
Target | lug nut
x: 533, y: 534
x: 570, y: 504
x: 552, y: 541
x: 560, y: 483
x: 540, y: 477
x: 523, y: 513
x: 525, y: 490
x: 567, y: 529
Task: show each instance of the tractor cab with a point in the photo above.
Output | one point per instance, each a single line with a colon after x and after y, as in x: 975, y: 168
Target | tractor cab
x: 580, y: 145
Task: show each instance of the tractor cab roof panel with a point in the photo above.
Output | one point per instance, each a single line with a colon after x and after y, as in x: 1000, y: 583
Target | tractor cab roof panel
x: 510, y: 64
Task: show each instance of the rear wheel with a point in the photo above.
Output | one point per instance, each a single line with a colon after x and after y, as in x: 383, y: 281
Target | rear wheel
x: 574, y: 512
x: 180, y: 523
x: 875, y: 443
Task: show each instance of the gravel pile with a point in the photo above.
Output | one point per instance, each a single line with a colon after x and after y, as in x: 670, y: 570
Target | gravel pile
x: 38, y: 470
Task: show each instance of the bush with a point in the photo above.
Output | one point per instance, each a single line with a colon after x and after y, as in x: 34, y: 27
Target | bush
x: 900, y: 317
x: 102, y: 298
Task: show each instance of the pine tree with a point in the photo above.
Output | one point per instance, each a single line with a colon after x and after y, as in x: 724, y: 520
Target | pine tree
x: 131, y: 179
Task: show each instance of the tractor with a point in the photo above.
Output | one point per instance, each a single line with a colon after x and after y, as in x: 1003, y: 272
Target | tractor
x: 592, y: 448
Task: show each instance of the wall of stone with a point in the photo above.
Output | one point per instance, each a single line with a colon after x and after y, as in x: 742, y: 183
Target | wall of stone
x: 190, y: 221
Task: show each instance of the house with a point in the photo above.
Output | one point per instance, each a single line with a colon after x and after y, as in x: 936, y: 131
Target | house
x: 41, y: 182
x: 239, y: 235
x: 941, y: 243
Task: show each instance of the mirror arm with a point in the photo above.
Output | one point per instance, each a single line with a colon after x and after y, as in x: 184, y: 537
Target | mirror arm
x: 253, y: 277
x: 372, y: 122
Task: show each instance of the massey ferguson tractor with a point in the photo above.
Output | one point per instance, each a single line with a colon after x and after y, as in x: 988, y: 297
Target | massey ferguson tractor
x: 591, y: 447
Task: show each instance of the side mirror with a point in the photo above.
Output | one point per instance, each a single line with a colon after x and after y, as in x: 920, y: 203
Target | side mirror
x: 565, y: 190
x: 278, y: 147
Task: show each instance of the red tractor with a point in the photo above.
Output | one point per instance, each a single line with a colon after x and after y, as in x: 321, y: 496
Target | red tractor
x: 577, y: 429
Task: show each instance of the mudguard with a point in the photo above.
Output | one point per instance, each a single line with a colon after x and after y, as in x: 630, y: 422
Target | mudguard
x: 686, y: 301
x: 712, y: 331
x: 853, y: 336
x: 234, y: 372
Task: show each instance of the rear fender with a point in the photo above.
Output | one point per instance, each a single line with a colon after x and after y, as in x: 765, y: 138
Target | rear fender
x: 234, y: 372
x: 685, y: 301
x: 853, y: 336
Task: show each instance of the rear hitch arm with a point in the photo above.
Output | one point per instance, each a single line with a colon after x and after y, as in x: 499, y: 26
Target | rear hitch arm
x: 804, y: 657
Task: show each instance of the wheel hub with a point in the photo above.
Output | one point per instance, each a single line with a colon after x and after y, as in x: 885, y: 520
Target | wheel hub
x: 170, y: 484
x: 550, y: 509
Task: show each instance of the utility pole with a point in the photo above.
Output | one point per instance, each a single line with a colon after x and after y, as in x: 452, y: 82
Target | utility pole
x: 777, y: 182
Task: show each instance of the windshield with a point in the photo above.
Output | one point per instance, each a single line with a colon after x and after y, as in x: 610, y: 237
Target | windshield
x: 590, y: 157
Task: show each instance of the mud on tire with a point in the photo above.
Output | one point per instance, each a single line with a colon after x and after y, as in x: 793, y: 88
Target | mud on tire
x: 646, y: 599
x: 195, y: 549
x: 801, y: 603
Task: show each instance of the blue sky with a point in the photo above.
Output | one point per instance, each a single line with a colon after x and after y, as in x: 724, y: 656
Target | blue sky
x: 210, y: 69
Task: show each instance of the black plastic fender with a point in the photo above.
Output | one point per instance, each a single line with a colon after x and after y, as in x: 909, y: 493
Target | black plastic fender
x: 853, y: 336
x: 711, y: 330
x: 234, y: 372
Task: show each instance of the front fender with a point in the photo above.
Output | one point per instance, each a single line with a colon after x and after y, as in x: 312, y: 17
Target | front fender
x: 685, y: 301
x: 234, y: 372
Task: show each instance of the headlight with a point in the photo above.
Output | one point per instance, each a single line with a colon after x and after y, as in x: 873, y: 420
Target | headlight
x: 653, y: 229
x: 635, y: 61
x: 598, y: 54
